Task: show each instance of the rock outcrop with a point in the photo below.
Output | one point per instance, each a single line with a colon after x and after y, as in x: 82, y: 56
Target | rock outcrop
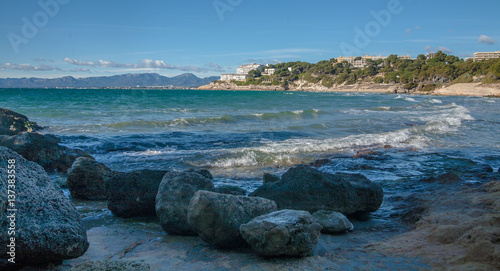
x: 87, y: 179
x: 172, y: 201
x: 43, y: 150
x: 45, y: 226
x: 282, y: 233
x: 229, y: 189
x: 306, y: 188
x: 333, y: 222
x: 12, y: 123
x: 217, y: 217
x: 133, y: 194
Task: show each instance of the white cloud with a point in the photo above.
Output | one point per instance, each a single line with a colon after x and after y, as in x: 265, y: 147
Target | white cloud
x: 146, y: 64
x: 79, y: 62
x: 81, y: 70
x: 444, y: 50
x: 28, y: 67
x: 485, y: 39
x: 429, y: 48
x: 41, y: 59
x: 409, y: 30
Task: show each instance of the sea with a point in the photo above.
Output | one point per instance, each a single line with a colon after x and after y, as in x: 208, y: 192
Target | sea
x: 240, y: 135
x: 395, y: 140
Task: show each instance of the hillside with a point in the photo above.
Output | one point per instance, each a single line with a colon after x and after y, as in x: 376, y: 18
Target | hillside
x: 125, y: 80
x: 387, y: 75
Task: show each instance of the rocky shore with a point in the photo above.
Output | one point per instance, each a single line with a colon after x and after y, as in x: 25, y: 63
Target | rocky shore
x: 461, y: 89
x: 305, y: 219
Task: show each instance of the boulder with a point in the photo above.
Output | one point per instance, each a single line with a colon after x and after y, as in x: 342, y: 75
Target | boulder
x: 446, y: 178
x: 229, y: 189
x: 217, y: 217
x: 333, y: 222
x: 270, y: 178
x: 172, y: 201
x: 282, y: 233
x: 87, y: 179
x: 306, y: 188
x: 43, y: 150
x: 12, y: 123
x: 133, y: 194
x: 44, y: 224
x: 203, y: 172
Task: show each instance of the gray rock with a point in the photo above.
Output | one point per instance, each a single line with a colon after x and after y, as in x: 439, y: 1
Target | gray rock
x: 203, y: 172
x: 270, y: 178
x: 217, y: 217
x: 333, y: 222
x: 133, y: 194
x: 229, y: 189
x: 446, y: 178
x: 43, y: 150
x: 172, y: 201
x: 306, y: 188
x: 47, y: 226
x: 12, y: 123
x: 109, y: 265
x: 282, y: 233
x: 87, y: 179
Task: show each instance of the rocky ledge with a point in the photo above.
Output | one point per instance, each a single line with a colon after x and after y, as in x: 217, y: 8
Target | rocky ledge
x: 20, y: 135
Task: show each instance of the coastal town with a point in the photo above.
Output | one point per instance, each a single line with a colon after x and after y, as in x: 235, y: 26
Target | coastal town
x: 356, y: 62
x: 432, y: 73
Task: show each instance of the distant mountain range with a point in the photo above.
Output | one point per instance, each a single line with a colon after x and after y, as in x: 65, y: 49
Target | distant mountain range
x: 124, y: 80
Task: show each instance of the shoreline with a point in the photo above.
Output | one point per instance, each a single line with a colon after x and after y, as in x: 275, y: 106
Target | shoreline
x: 460, y: 89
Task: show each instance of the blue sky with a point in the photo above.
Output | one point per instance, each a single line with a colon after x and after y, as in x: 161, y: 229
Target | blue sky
x: 53, y: 38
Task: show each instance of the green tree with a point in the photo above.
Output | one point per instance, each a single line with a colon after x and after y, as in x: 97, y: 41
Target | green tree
x: 495, y: 69
x: 421, y: 57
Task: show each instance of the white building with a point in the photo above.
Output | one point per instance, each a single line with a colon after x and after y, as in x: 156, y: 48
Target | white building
x: 363, y: 62
x: 486, y: 55
x: 232, y: 76
x: 269, y: 71
x: 244, y: 69
x: 241, y: 72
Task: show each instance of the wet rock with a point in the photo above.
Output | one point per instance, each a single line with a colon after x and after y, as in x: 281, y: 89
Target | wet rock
x: 305, y: 188
x: 133, y: 194
x: 47, y: 226
x: 411, y: 209
x: 109, y: 265
x: 447, y: 178
x: 217, y: 217
x: 203, y: 172
x: 320, y: 162
x: 333, y: 222
x: 172, y: 201
x: 229, y: 189
x: 43, y: 150
x: 12, y: 123
x: 270, y: 178
x: 479, y: 171
x: 282, y: 233
x: 87, y: 179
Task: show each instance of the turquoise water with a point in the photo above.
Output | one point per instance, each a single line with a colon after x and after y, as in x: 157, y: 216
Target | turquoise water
x: 240, y: 135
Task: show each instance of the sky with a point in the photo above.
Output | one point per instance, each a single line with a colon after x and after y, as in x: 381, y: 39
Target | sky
x: 84, y: 38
